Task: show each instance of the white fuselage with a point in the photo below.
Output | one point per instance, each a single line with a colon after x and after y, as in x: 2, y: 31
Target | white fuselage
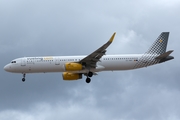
x: 73, y: 67
x: 56, y: 63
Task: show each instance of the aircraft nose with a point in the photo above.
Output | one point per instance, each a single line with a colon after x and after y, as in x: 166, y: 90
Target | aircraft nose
x: 7, y: 68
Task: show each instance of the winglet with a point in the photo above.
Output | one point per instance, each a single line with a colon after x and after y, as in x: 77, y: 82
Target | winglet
x: 112, y: 37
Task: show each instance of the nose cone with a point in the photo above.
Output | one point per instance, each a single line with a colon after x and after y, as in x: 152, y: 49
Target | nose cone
x: 7, y: 68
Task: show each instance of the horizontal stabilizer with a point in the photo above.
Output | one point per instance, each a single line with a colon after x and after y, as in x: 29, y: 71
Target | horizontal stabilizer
x: 164, y: 55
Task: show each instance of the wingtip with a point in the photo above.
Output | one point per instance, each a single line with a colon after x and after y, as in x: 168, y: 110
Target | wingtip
x: 112, y: 37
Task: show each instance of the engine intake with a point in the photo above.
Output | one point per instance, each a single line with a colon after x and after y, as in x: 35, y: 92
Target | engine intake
x: 73, y: 66
x: 71, y: 76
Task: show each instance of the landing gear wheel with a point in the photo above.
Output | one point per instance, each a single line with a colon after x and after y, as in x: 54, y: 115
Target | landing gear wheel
x: 23, y: 79
x: 88, y: 80
x: 90, y: 74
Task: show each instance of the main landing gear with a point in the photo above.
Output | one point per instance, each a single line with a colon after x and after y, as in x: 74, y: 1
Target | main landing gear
x: 88, y: 79
x: 23, y: 79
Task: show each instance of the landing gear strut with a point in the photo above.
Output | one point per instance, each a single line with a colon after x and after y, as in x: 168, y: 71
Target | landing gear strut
x: 23, y: 79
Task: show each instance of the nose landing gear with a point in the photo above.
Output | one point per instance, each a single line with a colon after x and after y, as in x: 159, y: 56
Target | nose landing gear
x: 23, y: 79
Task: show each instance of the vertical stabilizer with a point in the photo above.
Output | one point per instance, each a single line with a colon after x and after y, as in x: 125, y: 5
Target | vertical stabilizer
x: 159, y: 46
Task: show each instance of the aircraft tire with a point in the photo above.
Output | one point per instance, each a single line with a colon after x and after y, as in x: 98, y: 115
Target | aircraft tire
x: 23, y: 79
x: 88, y: 80
x: 90, y: 74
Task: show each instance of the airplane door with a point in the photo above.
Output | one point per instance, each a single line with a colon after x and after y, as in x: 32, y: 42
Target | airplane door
x: 57, y: 62
x: 23, y: 62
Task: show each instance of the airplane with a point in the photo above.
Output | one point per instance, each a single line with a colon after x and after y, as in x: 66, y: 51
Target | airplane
x: 74, y: 67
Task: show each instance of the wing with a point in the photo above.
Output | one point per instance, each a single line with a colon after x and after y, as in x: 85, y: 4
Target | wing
x: 91, y: 60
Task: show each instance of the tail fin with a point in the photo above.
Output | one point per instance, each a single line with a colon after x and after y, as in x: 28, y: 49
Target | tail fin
x: 157, y: 50
x: 159, y: 46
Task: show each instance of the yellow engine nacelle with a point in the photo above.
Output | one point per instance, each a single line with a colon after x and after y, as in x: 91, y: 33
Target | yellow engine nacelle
x: 71, y: 76
x: 73, y: 66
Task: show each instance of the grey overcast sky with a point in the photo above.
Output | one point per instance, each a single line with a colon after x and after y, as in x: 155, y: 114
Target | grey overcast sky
x: 64, y: 27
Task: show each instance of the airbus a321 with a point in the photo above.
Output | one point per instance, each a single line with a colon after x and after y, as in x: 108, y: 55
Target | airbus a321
x: 74, y: 67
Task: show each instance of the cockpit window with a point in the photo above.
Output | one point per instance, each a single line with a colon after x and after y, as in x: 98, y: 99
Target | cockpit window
x: 13, y: 62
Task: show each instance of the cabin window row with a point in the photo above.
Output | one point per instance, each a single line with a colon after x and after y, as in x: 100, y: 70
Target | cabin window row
x: 53, y: 60
x: 69, y: 59
x: 40, y: 60
x: 119, y: 58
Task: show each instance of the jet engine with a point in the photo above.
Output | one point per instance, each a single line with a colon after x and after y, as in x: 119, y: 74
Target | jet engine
x: 71, y: 76
x: 73, y: 66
